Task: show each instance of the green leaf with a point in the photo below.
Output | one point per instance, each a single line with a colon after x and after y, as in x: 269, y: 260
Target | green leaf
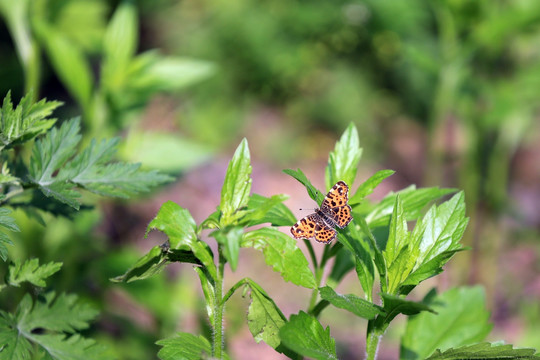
x: 90, y: 169
x: 352, y: 303
x: 181, y: 229
x: 69, y: 63
x: 414, y: 200
x: 264, y: 317
x: 306, y: 336
x: 166, y: 73
x: 26, y: 121
x: 301, y: 177
x: 43, y: 327
x: 7, y: 223
x: 268, y: 210
x: 184, y: 346
x: 147, y: 266
x: 48, y: 155
x: 208, y: 286
x: 237, y: 185
x: 398, y: 235
x: 439, y: 239
x: 343, y: 161
x: 485, y: 351
x: 31, y: 272
x: 395, y: 305
x: 148, y: 148
x: 462, y: 318
x: 282, y: 253
x: 378, y: 257
x: 119, y: 46
x: 369, y: 185
x: 230, y: 239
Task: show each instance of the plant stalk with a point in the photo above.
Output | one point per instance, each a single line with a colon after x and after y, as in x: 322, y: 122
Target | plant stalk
x: 218, y: 339
x: 374, y: 334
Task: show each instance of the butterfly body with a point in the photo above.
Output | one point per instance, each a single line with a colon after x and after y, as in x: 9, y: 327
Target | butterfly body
x: 334, y: 211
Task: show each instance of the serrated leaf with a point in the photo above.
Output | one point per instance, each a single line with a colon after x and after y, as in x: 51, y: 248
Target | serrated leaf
x: 31, y: 272
x: 462, y: 318
x: 306, y: 336
x: 49, y: 154
x: 343, y: 161
x: 378, y: 257
x: 264, y: 317
x: 43, y: 326
x: 301, y: 177
x: 352, y: 303
x: 369, y: 185
x: 185, y: 346
x: 398, y: 235
x: 90, y: 169
x: 485, y: 351
x: 178, y: 224
x: 414, y: 200
x: 268, y: 210
x: 237, y: 185
x: 26, y: 121
x: 7, y: 223
x: 438, y: 240
x: 281, y: 252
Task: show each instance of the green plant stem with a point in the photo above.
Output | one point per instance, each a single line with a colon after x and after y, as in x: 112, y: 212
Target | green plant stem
x: 372, y: 344
x: 219, y: 306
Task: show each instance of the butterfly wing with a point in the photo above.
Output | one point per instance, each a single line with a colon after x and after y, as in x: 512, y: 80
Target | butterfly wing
x: 312, y: 226
x: 305, y: 227
x: 335, y: 205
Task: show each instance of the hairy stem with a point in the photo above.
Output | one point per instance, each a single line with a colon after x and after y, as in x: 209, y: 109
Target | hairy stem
x: 218, y: 338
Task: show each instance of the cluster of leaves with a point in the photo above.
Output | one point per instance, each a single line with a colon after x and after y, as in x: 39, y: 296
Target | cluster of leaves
x: 69, y: 34
x: 42, y: 169
x: 48, y: 325
x: 402, y: 259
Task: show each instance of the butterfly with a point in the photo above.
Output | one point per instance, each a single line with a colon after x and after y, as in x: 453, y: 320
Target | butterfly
x: 334, y: 211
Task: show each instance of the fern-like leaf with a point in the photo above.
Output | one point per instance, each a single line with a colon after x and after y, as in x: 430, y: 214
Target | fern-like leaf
x: 26, y: 121
x: 57, y: 173
x: 48, y: 327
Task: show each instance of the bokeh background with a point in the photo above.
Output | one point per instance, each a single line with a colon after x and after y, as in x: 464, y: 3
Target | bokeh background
x: 447, y: 93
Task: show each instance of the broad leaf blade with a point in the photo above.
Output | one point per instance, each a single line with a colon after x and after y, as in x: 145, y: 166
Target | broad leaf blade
x: 281, y: 252
x: 264, y: 317
x: 184, y: 346
x: 369, y: 185
x: 485, y: 351
x: 301, y: 177
x: 352, y: 303
x: 306, y: 336
x: 119, y: 45
x: 181, y: 229
x: 343, y: 161
x: 268, y: 210
x: 237, y: 184
x: 414, y: 200
x: 395, y: 305
x: 462, y: 318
